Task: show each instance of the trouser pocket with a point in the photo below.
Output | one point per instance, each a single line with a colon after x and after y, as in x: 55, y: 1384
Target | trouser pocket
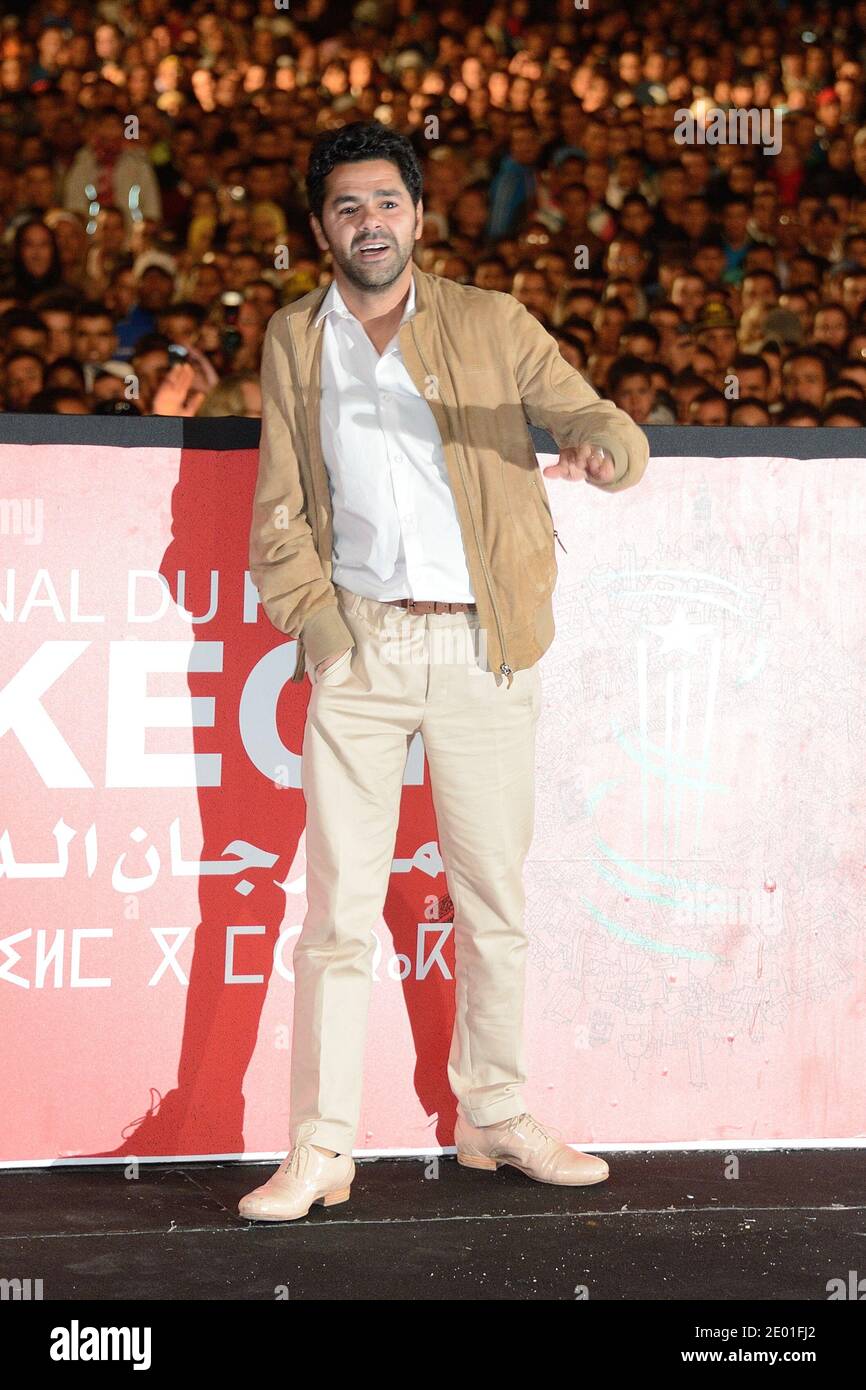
x: 335, y: 674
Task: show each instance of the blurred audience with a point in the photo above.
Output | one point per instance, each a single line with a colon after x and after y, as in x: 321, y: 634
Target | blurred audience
x: 153, y: 212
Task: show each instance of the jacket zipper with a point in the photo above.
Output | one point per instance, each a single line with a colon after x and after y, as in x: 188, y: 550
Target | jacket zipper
x: 303, y: 401
x: 503, y: 666
x: 543, y: 496
x: 314, y: 527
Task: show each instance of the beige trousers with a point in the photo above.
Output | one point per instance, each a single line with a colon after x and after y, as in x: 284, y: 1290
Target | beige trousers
x: 411, y: 672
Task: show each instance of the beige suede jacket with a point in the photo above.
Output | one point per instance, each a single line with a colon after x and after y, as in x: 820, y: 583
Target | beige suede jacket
x: 486, y: 366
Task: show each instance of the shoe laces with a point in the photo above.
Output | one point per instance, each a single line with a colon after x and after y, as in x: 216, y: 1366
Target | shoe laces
x: 296, y: 1161
x: 526, y: 1121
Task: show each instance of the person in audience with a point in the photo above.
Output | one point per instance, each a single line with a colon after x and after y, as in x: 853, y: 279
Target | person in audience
x: 136, y: 195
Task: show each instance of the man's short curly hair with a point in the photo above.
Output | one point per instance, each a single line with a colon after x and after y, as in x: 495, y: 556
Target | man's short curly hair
x: 352, y: 143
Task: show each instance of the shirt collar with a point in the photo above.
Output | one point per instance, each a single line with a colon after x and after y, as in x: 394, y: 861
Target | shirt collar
x: 334, y: 303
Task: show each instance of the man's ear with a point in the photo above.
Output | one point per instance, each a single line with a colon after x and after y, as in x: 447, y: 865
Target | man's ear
x: 316, y: 228
x: 419, y: 219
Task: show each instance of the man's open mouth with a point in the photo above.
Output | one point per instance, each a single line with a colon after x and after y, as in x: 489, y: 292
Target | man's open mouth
x: 373, y: 250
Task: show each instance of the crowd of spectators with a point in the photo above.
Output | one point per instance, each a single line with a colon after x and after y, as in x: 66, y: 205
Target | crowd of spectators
x: 153, y: 212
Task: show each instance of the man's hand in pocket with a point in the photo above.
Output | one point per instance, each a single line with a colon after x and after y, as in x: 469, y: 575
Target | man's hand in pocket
x: 329, y: 661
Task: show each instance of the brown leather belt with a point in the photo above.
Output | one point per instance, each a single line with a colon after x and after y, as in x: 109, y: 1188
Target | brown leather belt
x: 416, y: 605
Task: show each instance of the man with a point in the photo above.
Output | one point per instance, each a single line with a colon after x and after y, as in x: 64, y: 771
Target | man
x: 630, y: 387
x: 805, y: 377
x: 110, y: 170
x: 401, y: 533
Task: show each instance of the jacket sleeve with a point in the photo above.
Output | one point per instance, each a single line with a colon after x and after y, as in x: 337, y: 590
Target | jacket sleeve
x: 557, y: 398
x: 284, y: 563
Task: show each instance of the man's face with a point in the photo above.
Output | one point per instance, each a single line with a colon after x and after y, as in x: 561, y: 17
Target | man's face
x: 856, y: 373
x: 710, y: 262
x: 667, y: 322
x: 722, y: 343
x: 628, y: 171
x: 264, y: 297
x: 574, y: 205
x: 636, y: 219
x: 757, y: 289
x: 799, y: 305
x: 804, y: 380
x: 155, y: 288
x: 688, y: 293
x: 40, y: 186
x: 830, y: 327
x: 803, y: 273
x: 708, y: 413
x: 531, y: 289
x: 625, y: 258
x: 734, y: 221
x: 765, y: 205
x: 111, y: 229
x: 94, y: 338
x: 491, y: 276
x: 857, y: 250
x: 366, y: 204
x: 121, y: 294
x: 34, y: 339
x: 179, y: 328
x: 59, y: 322
x: 259, y: 185
x: 672, y: 186
x: 695, y: 218
x: 23, y: 379
x: 150, y: 368
x: 741, y: 179
x: 196, y: 170
x: 109, y: 134
x: 635, y: 396
x: 853, y: 293
x: 525, y: 145
x: 471, y: 212
x: 752, y: 383
x: 638, y: 345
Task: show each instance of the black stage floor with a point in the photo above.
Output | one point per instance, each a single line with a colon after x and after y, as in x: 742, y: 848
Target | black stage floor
x: 667, y: 1225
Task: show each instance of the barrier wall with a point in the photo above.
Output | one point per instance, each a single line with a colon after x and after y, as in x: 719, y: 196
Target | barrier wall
x: 696, y: 883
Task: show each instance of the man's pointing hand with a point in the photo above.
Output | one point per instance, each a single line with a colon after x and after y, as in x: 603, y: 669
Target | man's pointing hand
x: 586, y: 461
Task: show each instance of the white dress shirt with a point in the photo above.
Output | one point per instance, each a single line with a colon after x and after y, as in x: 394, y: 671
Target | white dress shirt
x: 395, y: 526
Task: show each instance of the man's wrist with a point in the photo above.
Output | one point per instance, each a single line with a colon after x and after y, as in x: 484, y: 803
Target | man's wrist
x: 325, y: 635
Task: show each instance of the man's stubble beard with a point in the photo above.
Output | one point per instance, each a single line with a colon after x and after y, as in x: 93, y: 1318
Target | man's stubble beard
x: 367, y: 280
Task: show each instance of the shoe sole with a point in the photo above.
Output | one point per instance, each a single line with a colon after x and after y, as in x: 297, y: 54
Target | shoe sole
x: 491, y: 1164
x: 330, y: 1199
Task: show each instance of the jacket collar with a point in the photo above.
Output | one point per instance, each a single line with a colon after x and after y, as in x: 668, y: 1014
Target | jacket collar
x: 317, y: 307
x: 333, y: 303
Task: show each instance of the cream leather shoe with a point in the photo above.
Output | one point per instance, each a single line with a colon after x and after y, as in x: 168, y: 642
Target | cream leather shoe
x: 305, y: 1176
x: 524, y: 1144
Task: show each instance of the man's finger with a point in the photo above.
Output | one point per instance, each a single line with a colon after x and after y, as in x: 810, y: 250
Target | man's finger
x: 564, y: 470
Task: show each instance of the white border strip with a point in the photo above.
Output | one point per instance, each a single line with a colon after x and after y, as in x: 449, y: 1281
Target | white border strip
x: 680, y: 1146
